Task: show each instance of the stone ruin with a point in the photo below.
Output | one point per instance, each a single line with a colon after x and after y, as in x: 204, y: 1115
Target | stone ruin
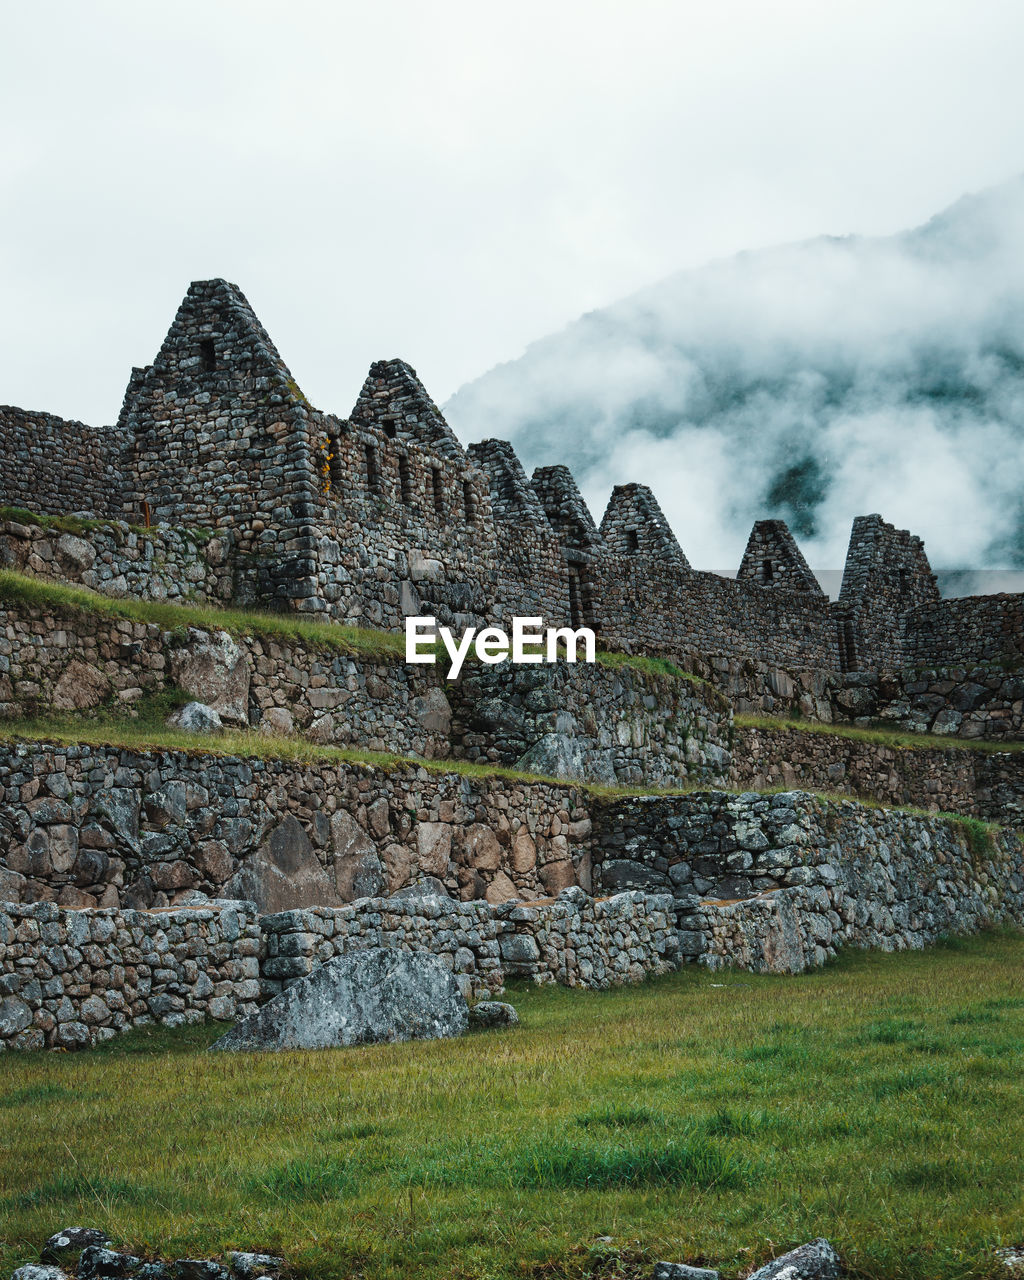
x: 370, y: 518
x: 142, y: 885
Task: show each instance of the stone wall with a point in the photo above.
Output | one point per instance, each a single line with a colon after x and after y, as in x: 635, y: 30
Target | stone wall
x: 581, y: 941
x: 50, y: 465
x: 118, y: 560
x: 969, y: 630
x: 87, y: 826
x: 983, y: 784
x: 71, y: 979
x: 581, y: 720
x: 869, y: 877
x: 958, y: 701
x: 651, y: 606
x: 573, y: 939
x: 70, y: 660
x: 608, y: 724
x: 462, y: 934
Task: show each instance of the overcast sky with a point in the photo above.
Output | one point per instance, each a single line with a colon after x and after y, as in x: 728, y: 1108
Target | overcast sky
x: 448, y: 181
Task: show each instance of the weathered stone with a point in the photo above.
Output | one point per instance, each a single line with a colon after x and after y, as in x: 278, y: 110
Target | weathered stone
x: 15, y: 1016
x: 621, y: 873
x: 379, y: 994
x: 433, y: 712
x: 423, y: 890
x: 12, y: 885
x: 501, y: 889
x: 556, y: 755
x: 97, y: 1261
x: 251, y: 1265
x: 213, y: 670
x: 277, y: 722
x: 814, y: 1261
x: 681, y: 1271
x: 481, y: 848
x: 36, y: 1271
x: 80, y: 687
x: 196, y: 717
x: 524, y: 851
x: 493, y: 1013
x: 70, y: 1242
x: 556, y: 876
x: 283, y: 873
x: 434, y: 845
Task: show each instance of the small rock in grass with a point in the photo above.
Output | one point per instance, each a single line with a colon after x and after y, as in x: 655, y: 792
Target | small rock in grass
x: 199, y: 1269
x: 250, y: 1265
x: 1012, y: 1259
x: 681, y: 1271
x: 493, y: 1013
x: 814, y: 1261
x: 38, y: 1271
x: 71, y: 1241
x: 107, y: 1264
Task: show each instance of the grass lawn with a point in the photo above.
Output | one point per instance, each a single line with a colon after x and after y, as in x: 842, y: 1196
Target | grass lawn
x: 709, y: 1117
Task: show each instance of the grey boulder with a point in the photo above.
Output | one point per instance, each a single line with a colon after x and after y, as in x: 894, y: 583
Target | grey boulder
x: 814, y: 1261
x: 561, y: 755
x: 213, y: 669
x: 365, y: 997
x: 422, y: 891
x: 493, y: 1013
x: 195, y: 717
x: 681, y: 1271
x: 284, y: 873
x: 71, y: 1241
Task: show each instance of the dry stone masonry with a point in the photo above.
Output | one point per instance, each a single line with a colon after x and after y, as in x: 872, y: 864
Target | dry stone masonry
x: 172, y: 886
x: 71, y: 979
x: 256, y: 496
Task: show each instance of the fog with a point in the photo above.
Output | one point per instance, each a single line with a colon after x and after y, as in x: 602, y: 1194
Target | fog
x: 813, y: 382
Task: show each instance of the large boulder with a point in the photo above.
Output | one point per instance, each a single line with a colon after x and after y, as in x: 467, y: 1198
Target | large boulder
x: 213, y: 669
x: 284, y: 873
x: 358, y: 870
x: 380, y: 994
x: 80, y: 687
x: 434, y: 713
x: 562, y: 755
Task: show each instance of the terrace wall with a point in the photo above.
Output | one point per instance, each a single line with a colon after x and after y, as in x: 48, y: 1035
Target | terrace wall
x: 782, y: 881
x: 87, y: 826
x: 72, y: 979
x: 982, y: 784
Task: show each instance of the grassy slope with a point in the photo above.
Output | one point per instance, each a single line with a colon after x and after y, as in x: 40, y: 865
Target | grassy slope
x: 713, y: 1117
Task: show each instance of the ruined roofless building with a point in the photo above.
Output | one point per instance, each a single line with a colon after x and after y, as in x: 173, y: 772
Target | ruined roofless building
x: 383, y: 514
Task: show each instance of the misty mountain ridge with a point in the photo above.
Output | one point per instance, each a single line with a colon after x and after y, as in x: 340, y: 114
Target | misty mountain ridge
x: 811, y: 382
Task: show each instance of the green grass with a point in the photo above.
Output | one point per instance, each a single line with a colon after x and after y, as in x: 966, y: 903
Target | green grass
x: 142, y: 735
x: 63, y: 524
x: 716, y: 1118
x: 18, y: 588
x: 878, y: 735
x: 656, y: 667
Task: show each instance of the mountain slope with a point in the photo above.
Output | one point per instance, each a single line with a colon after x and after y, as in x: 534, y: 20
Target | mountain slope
x: 813, y: 382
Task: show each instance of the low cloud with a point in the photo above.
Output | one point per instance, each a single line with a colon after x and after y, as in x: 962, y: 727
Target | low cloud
x: 814, y: 382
